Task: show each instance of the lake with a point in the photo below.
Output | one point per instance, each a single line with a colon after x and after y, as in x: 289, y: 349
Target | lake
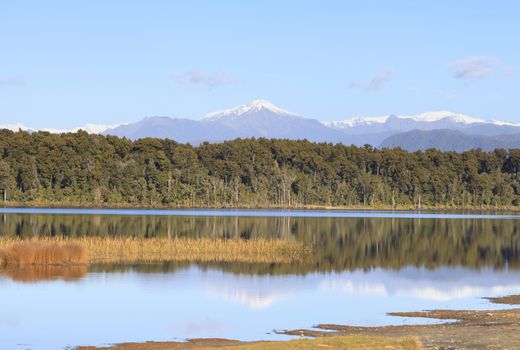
x: 367, y: 263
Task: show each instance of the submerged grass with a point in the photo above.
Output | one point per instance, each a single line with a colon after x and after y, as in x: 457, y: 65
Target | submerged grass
x: 53, y: 250
x: 334, y: 343
x: 353, y: 342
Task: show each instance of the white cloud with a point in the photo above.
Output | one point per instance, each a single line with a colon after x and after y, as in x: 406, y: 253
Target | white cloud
x: 473, y: 68
x: 12, y: 81
x: 204, y: 79
x: 510, y: 72
x: 376, y: 83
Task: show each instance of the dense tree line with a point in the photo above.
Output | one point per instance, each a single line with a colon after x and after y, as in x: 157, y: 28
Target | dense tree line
x: 82, y: 169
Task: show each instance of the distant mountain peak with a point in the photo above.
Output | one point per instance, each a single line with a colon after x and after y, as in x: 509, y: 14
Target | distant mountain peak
x: 97, y: 128
x: 356, y: 121
x: 439, y: 115
x: 90, y: 128
x: 153, y: 118
x: 422, y: 117
x: 14, y: 127
x: 251, y: 106
x: 261, y: 118
x: 449, y: 140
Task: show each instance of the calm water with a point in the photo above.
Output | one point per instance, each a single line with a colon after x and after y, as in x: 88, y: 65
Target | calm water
x: 368, y: 264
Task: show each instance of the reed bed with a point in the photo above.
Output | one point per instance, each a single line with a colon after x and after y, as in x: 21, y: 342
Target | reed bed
x: 14, y: 251
x: 23, y: 253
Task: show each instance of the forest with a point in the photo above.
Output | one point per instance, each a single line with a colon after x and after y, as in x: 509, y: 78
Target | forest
x: 81, y: 169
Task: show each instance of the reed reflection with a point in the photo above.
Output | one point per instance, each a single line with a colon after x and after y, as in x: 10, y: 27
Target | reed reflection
x: 338, y: 243
x: 31, y: 274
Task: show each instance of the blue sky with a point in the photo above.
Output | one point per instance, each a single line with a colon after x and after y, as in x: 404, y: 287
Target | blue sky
x: 66, y: 63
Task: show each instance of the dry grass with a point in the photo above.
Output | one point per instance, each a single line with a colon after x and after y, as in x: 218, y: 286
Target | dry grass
x: 136, y: 250
x: 42, y: 253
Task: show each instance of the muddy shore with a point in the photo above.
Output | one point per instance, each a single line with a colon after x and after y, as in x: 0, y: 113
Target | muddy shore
x: 464, y: 329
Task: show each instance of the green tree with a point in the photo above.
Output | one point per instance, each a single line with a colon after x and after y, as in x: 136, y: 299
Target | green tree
x: 7, y: 181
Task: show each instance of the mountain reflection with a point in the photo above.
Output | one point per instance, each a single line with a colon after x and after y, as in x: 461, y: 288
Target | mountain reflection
x: 260, y: 292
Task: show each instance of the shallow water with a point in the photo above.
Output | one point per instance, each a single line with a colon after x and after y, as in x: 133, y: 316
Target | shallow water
x: 110, y: 307
x: 367, y: 264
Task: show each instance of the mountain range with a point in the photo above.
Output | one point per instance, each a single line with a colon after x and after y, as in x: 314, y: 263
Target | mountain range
x: 260, y: 118
x: 449, y: 140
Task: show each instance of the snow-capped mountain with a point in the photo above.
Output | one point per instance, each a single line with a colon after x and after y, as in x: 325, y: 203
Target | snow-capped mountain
x: 261, y: 118
x: 90, y: 128
x: 428, y: 117
x: 14, y: 127
x: 355, y: 121
x: 258, y: 118
x: 374, y: 130
x: 254, y: 106
x: 96, y: 128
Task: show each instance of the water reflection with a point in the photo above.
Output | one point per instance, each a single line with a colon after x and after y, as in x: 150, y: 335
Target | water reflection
x: 192, y: 302
x: 255, y: 290
x: 362, y: 268
x: 45, y: 273
x: 340, y: 243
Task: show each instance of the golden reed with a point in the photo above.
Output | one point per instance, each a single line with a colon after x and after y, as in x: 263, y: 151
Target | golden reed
x: 63, y: 251
x: 42, y: 253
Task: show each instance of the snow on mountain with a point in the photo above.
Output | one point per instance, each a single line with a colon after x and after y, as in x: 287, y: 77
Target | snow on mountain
x: 90, y: 128
x: 502, y: 123
x: 14, y: 127
x: 250, y: 107
x: 258, y: 118
x: 436, y: 116
x: 355, y: 121
x: 96, y: 128
x: 261, y: 118
x: 422, y: 117
x: 374, y: 130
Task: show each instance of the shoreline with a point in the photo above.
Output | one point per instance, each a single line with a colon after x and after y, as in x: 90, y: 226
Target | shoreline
x: 31, y: 205
x: 462, y: 329
x: 468, y: 329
